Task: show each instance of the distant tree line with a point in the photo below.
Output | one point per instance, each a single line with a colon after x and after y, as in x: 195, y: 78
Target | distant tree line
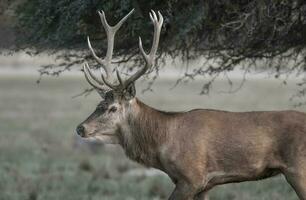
x: 227, y: 33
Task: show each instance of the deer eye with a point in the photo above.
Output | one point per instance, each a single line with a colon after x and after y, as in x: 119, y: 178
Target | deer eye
x: 101, y: 107
x: 112, y: 109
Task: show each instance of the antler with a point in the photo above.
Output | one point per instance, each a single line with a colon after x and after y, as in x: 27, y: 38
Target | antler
x: 149, y: 58
x: 106, y: 62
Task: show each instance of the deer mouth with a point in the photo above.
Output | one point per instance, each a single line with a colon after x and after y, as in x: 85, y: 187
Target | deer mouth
x: 104, y: 133
x: 105, y: 137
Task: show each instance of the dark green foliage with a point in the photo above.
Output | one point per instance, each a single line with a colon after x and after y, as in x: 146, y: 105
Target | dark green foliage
x: 198, y: 25
x: 226, y: 32
x: 50, y: 24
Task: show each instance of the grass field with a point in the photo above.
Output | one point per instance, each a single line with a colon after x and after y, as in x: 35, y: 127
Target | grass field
x: 40, y: 157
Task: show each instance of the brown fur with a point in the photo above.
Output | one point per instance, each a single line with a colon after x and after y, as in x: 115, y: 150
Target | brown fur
x: 203, y: 148
x: 146, y: 136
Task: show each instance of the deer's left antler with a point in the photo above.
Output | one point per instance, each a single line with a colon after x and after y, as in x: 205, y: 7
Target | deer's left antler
x: 106, y: 62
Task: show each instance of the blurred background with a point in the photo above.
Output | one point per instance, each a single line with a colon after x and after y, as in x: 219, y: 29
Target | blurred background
x: 225, y: 55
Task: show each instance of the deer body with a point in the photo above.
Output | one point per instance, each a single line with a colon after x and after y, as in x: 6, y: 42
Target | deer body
x: 205, y: 148
x: 198, y: 149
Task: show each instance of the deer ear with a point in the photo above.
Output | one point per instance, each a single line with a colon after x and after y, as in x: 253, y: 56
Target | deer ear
x: 130, y: 92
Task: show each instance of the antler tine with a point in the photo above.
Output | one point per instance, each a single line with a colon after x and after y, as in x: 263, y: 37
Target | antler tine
x: 89, y: 76
x: 99, y: 60
x: 114, y: 87
x: 110, y: 33
x: 119, y: 77
x: 106, y: 62
x: 119, y: 24
x: 149, y: 58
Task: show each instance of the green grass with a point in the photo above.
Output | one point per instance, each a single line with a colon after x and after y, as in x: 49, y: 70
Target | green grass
x: 40, y: 158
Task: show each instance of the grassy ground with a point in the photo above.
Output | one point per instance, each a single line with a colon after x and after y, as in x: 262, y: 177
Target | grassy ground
x: 40, y: 157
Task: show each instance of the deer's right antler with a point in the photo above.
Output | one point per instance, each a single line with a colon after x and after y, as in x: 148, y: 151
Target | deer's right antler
x: 149, y: 58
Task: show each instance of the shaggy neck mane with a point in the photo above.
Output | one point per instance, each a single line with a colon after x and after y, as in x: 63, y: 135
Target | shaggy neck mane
x: 147, y: 131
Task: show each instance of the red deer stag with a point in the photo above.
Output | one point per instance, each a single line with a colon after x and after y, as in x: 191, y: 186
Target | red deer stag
x: 198, y: 149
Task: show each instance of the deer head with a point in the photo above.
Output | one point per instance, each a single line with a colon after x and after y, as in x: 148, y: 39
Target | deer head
x: 117, y: 96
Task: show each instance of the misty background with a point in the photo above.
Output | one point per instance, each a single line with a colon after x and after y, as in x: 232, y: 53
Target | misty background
x: 42, y: 158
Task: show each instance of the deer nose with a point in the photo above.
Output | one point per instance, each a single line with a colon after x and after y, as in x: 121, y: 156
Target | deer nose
x: 80, y: 130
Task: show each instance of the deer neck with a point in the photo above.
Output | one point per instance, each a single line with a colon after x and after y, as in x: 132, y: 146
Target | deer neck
x: 144, y: 132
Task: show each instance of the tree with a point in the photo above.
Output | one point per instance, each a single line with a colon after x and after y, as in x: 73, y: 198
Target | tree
x: 227, y: 33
